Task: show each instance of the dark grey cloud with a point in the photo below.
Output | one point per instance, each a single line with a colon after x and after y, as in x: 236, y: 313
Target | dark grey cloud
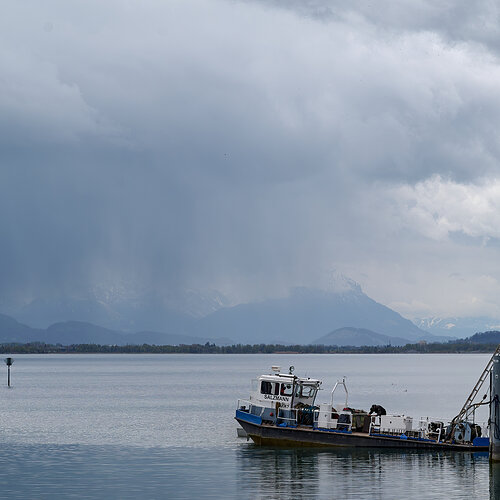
x: 239, y: 145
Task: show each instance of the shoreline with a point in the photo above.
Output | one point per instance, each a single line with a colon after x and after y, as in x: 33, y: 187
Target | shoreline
x: 435, y: 348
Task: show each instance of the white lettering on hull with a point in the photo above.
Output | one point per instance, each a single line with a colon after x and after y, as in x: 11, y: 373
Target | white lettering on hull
x: 276, y: 398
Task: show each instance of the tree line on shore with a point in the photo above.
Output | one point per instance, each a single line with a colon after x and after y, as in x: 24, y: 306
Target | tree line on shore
x: 209, y: 348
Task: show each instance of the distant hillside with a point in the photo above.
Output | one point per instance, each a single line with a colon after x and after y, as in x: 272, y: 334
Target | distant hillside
x: 147, y: 312
x: 12, y: 331
x: 80, y: 332
x: 86, y: 333
x: 492, y: 337
x: 358, y: 337
x: 122, y: 308
x: 305, y: 315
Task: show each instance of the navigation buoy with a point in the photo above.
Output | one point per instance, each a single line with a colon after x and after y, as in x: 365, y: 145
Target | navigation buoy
x: 8, y: 362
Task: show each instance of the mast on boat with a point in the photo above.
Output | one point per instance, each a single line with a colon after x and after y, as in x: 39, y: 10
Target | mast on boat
x: 472, y: 396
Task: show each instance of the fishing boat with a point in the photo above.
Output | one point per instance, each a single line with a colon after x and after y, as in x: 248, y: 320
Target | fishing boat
x: 282, y: 411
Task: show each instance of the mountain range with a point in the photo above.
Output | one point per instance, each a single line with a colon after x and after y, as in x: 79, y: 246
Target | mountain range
x: 79, y: 332
x: 122, y: 308
x: 454, y: 327
x: 304, y: 316
x: 490, y: 337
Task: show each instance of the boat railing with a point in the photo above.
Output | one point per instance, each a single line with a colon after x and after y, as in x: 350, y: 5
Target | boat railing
x: 287, y: 415
x: 432, y: 427
x: 424, y: 421
x: 394, y: 425
x: 330, y: 419
x: 298, y: 416
x: 248, y: 406
x: 294, y: 416
x: 345, y: 421
x: 343, y: 384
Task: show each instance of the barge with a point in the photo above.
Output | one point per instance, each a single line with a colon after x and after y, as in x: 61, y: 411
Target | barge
x: 281, y: 411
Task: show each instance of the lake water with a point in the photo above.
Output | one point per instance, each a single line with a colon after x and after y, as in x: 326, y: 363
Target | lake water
x: 161, y: 426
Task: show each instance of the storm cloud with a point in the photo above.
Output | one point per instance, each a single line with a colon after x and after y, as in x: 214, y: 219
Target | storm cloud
x: 250, y: 147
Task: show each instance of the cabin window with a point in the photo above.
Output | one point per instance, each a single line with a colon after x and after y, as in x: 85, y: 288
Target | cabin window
x: 305, y: 391
x: 266, y: 387
x: 255, y: 384
x: 286, y: 389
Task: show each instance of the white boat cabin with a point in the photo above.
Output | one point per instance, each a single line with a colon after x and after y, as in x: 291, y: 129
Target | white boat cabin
x: 283, y: 390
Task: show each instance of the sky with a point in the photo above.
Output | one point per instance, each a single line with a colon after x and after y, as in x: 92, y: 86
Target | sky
x: 252, y: 146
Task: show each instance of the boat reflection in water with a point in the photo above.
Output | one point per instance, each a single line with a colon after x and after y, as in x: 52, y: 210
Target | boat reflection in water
x: 301, y: 473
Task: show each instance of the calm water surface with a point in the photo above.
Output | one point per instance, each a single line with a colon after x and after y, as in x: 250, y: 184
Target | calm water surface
x: 161, y: 426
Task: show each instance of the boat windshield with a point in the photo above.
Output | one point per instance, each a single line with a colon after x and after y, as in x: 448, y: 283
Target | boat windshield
x: 305, y: 391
